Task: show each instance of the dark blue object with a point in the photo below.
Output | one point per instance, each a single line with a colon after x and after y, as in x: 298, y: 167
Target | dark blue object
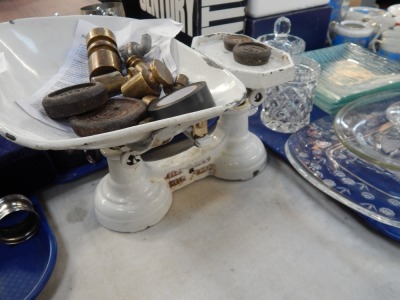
x: 26, y: 267
x: 23, y: 170
x: 310, y: 24
x: 81, y: 171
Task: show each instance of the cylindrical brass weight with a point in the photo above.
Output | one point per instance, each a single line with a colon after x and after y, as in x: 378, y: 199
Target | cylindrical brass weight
x: 158, y: 71
x: 147, y: 99
x: 181, y: 80
x: 140, y: 85
x: 100, y: 33
x: 134, y: 60
x: 103, y: 61
x: 130, y: 72
x: 101, y: 44
x: 161, y: 74
x: 103, y: 52
x: 112, y: 81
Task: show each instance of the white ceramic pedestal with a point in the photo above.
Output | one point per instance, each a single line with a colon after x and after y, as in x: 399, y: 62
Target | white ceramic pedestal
x: 243, y: 155
x: 128, y: 199
x: 137, y: 194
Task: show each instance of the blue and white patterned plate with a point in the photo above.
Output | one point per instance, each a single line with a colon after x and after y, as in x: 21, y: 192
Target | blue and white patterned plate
x: 374, y: 192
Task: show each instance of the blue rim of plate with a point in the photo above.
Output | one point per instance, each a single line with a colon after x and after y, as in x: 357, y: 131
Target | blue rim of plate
x: 26, y: 267
x: 372, y: 191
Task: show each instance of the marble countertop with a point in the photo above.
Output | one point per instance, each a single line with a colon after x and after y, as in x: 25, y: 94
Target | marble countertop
x: 272, y: 237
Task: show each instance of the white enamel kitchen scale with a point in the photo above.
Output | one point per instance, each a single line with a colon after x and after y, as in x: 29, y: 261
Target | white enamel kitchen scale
x: 137, y: 192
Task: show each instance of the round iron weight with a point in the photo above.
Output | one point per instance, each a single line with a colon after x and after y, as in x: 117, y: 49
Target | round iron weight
x: 117, y: 113
x: 74, y: 100
x: 231, y: 40
x: 251, y: 53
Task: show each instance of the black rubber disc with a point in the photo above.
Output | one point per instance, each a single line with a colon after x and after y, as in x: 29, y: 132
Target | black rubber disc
x: 251, y: 54
x: 231, y: 40
x: 74, y: 100
x: 193, y: 97
x: 117, y: 113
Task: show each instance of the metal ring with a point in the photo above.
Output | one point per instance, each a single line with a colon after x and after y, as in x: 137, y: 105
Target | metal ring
x: 22, y: 220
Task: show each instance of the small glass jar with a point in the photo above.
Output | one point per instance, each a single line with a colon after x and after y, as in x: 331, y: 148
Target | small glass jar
x: 282, y: 40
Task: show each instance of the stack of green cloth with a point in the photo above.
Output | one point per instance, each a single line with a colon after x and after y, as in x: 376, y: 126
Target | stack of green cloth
x: 348, y: 72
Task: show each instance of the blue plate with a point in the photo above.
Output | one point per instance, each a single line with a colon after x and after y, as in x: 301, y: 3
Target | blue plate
x: 26, y: 267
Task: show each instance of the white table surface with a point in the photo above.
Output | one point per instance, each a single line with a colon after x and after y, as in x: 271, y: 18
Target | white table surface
x: 272, y: 237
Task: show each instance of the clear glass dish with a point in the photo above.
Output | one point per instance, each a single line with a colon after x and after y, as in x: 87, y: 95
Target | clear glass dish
x: 348, y: 72
x: 368, y: 189
x: 370, y: 127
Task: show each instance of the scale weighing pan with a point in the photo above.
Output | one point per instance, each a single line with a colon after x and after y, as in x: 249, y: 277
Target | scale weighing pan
x: 33, y: 50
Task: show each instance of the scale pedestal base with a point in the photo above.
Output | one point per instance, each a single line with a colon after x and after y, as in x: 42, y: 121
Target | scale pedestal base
x: 128, y: 199
x: 243, y: 155
x: 137, y: 194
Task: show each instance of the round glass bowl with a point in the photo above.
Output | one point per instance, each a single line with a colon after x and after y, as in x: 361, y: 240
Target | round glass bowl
x: 370, y: 128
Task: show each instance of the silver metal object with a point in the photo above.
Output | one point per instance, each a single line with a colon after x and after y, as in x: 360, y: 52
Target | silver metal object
x: 18, y: 219
x: 134, y: 48
x: 104, y: 9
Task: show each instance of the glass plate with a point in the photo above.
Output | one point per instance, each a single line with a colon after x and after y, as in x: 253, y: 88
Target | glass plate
x: 374, y: 192
x: 349, y: 71
x: 366, y: 129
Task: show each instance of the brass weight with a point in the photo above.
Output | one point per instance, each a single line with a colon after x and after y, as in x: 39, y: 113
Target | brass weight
x: 140, y: 85
x: 151, y: 76
x: 136, y: 62
x: 161, y: 74
x: 112, y: 81
x: 101, y: 44
x: 147, y: 99
x: 181, y: 80
x: 159, y: 71
x: 103, y: 55
x: 100, y: 33
x: 130, y: 72
x: 103, y: 61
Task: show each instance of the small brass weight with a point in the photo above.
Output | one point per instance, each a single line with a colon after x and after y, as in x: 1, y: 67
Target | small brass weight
x: 146, y: 79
